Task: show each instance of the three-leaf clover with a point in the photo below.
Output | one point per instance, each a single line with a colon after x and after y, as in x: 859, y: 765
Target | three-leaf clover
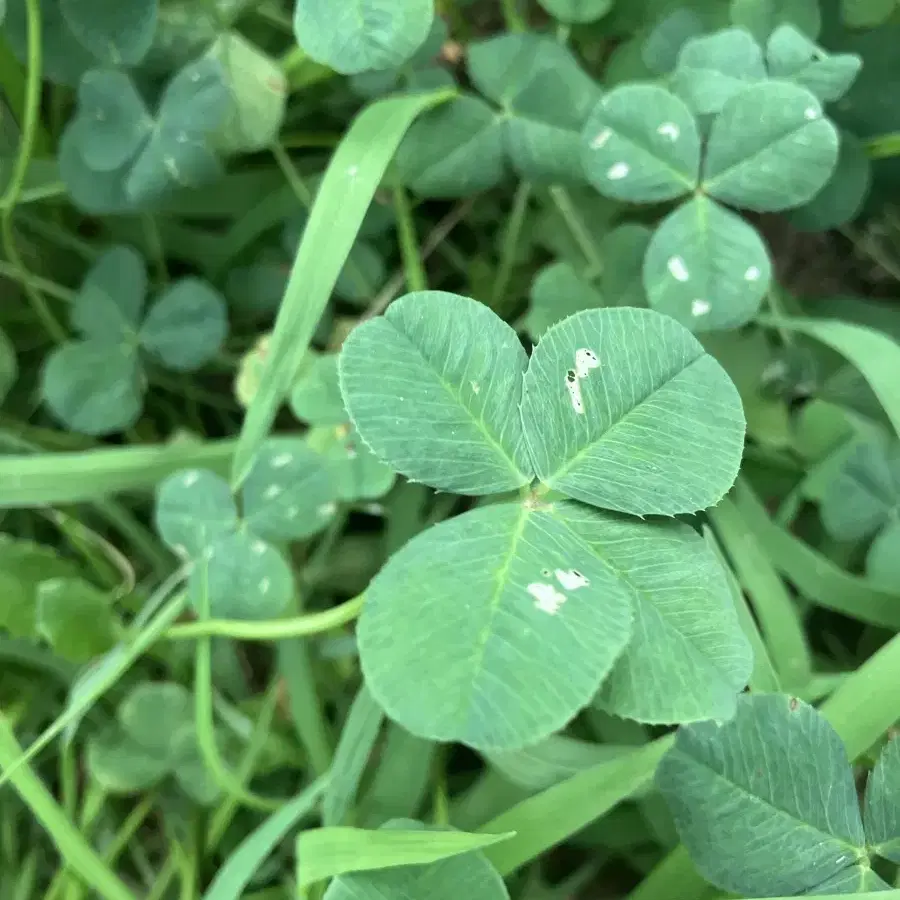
x: 96, y: 384
x: 763, y: 144
x: 864, y: 500
x: 154, y: 738
x: 766, y: 803
x: 116, y: 156
x: 289, y: 495
x: 547, y: 599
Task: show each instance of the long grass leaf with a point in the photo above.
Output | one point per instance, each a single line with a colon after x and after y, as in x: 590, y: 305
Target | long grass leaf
x: 350, y: 182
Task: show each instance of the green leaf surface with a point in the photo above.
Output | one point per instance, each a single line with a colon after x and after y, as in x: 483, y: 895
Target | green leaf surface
x: 110, y: 302
x: 356, y: 473
x: 316, y: 397
x: 75, y: 618
x: 289, y: 493
x: 432, y: 387
x: 441, y: 876
x: 258, y: 95
x: 793, y: 56
x: 112, y: 122
x: 24, y: 566
x: 546, y: 97
x: 770, y: 148
x: 866, y: 13
x: 882, y: 807
x: 330, y: 852
x: 641, y: 145
x: 245, y: 577
x: 765, y: 803
x: 153, y: 711
x: 762, y: 17
x: 558, y: 291
x: 454, y: 150
x: 194, y: 508
x: 687, y: 659
x: 577, y: 12
x: 662, y: 45
x: 519, y: 607
x: 121, y: 766
x: 713, y: 68
x: 93, y: 388
x: 362, y: 35
x: 883, y: 558
x: 117, y: 33
x: 843, y: 197
x: 623, y: 409
x: 622, y: 284
x: 186, y: 325
x: 865, y: 492
x: 706, y: 267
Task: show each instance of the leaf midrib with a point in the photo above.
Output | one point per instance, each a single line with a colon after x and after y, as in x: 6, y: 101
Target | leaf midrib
x: 568, y: 465
x: 855, y: 849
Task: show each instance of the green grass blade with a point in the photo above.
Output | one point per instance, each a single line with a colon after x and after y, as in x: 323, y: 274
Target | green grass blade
x: 326, y: 852
x: 816, y: 577
x: 778, y: 616
x: 764, y: 679
x: 355, y: 171
x: 546, y: 819
x: 361, y: 729
x: 234, y: 876
x: 875, y: 355
x: 78, y: 854
x: 56, y: 478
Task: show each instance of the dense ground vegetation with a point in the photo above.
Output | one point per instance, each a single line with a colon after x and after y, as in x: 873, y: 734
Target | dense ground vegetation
x: 449, y: 448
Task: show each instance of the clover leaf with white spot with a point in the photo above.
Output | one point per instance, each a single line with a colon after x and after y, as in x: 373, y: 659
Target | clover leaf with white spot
x: 115, y: 156
x: 290, y: 494
x: 96, y: 383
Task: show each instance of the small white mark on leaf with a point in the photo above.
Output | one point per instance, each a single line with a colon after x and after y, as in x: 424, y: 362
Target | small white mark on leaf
x: 811, y: 113
x: 585, y: 360
x: 476, y: 387
x: 700, y: 308
x: 327, y: 509
x: 351, y: 451
x: 618, y: 171
x: 100, y: 116
x: 195, y: 77
x: 752, y: 274
x: 292, y: 512
x: 546, y: 597
x: 353, y: 171
x: 181, y: 550
x: 669, y: 130
x: 272, y: 491
x: 181, y: 137
x: 264, y: 585
x: 190, y: 479
x: 259, y: 547
x: 573, y: 386
x: 677, y: 269
x: 571, y: 579
x: 600, y: 140
x: 282, y: 460
x: 208, y: 553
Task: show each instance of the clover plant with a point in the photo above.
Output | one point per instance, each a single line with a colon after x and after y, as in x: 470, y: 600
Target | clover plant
x: 96, y: 384
x: 449, y: 448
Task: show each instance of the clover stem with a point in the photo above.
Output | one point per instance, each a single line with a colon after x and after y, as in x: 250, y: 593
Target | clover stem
x: 278, y: 630
x: 563, y: 202
x: 509, y: 251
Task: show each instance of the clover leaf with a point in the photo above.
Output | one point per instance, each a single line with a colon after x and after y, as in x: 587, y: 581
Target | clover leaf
x: 342, y: 38
x: 864, y: 500
x: 9, y: 365
x: 115, y: 156
x: 289, y: 495
x: 153, y: 739
x: 607, y: 411
x: 96, y: 384
x: 766, y: 803
x: 114, y: 32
